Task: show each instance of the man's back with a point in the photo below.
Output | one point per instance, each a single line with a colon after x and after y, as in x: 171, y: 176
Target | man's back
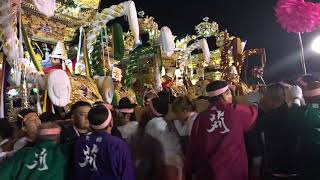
x: 307, y: 120
x: 281, y: 140
x: 217, y: 149
x: 46, y: 160
x: 100, y: 155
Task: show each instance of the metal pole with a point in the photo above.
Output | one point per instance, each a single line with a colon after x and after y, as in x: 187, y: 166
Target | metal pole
x: 303, y: 62
x: 264, y: 83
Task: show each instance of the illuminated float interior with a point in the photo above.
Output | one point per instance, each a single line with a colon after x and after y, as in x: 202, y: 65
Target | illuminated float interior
x: 100, y: 62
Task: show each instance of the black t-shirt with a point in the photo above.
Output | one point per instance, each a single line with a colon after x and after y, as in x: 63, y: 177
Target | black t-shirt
x: 281, y: 140
x: 115, y: 132
x: 254, y: 145
x: 69, y: 134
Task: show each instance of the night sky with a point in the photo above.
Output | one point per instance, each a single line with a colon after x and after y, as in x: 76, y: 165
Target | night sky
x: 251, y: 20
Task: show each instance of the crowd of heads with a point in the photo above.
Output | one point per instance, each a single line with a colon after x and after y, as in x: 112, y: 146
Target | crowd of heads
x: 84, y: 117
x: 158, y: 104
x: 84, y: 114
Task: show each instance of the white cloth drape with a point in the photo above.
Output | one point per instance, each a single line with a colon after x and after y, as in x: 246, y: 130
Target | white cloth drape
x: 46, y: 7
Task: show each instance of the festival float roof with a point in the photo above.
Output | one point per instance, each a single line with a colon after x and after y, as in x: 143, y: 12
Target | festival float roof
x: 69, y: 16
x: 141, y: 60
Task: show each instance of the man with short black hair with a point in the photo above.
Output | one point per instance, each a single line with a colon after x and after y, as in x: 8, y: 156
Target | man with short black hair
x: 80, y: 126
x: 217, y: 148
x: 99, y: 155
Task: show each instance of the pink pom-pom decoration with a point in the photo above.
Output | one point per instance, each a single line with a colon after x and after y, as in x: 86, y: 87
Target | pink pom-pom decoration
x: 298, y: 16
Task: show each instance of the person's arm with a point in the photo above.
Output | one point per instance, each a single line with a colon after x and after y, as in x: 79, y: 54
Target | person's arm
x: 296, y: 93
x: 254, y: 98
x: 247, y: 114
x: 20, y: 144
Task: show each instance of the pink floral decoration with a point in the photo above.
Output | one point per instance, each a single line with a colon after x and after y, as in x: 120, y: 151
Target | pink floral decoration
x: 298, y: 16
x: 257, y: 72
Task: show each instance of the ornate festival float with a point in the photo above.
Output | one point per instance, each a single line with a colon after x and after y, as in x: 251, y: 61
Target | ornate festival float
x: 54, y: 53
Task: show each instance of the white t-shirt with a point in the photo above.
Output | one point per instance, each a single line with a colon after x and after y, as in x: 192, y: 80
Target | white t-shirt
x: 129, y: 130
x: 186, y: 128
x: 158, y: 129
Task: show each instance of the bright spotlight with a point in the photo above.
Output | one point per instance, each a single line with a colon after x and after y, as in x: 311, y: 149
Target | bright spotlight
x: 316, y: 45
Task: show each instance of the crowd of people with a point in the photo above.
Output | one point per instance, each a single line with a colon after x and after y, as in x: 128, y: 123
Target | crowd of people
x: 275, y: 137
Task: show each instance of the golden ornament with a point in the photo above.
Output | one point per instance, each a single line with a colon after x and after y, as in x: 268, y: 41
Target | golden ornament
x: 84, y: 89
